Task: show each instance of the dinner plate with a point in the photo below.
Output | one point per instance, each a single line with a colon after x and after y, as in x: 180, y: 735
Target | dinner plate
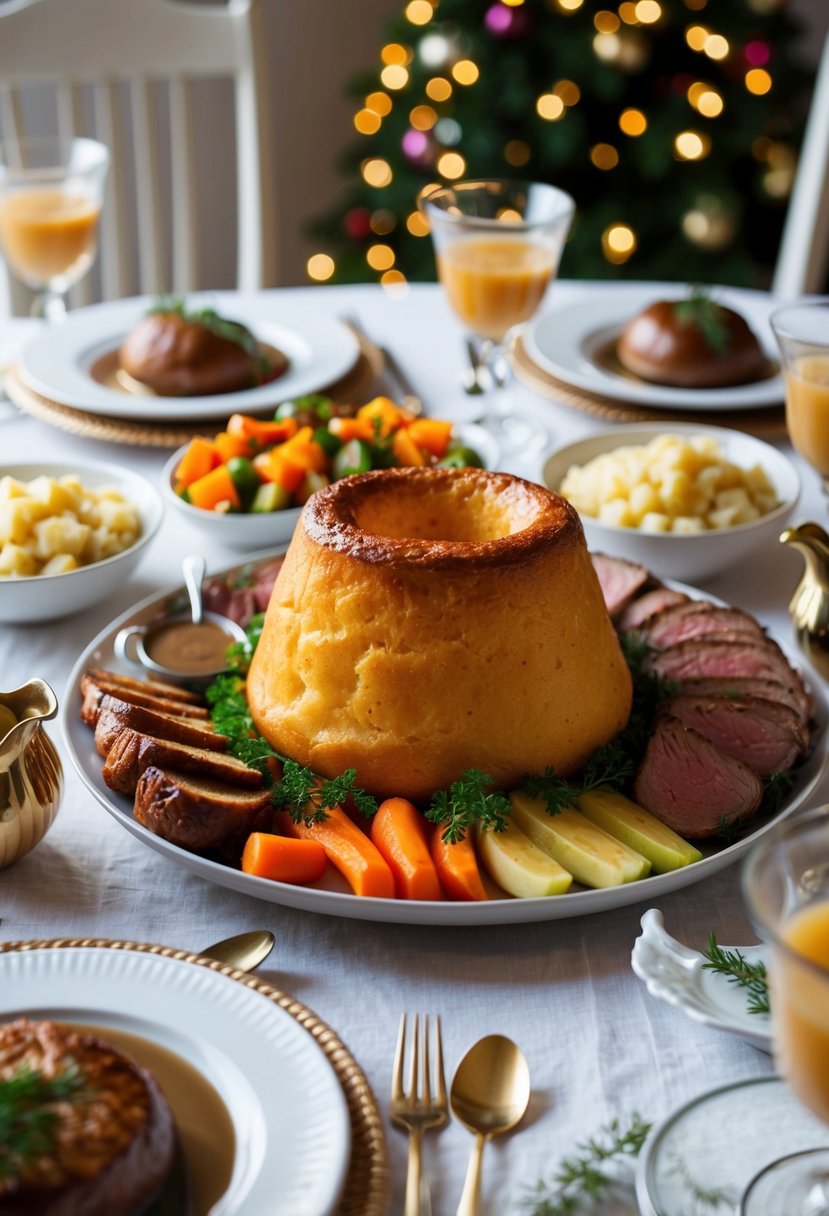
x: 676, y: 974
x: 574, y: 342
x: 331, y: 896
x: 284, y: 1101
x: 57, y: 362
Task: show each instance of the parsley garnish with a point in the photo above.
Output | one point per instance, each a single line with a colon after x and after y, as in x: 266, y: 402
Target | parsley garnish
x: 708, y: 317
x: 28, y: 1120
x: 738, y: 970
x: 469, y: 800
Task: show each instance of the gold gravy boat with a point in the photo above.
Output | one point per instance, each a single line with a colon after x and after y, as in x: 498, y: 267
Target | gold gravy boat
x: 809, y: 605
x: 31, y: 774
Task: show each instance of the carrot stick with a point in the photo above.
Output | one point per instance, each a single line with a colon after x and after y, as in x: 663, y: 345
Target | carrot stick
x: 401, y: 834
x: 282, y: 858
x: 457, y: 867
x: 346, y: 847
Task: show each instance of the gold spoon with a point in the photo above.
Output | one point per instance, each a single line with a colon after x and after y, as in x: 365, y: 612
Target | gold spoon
x: 489, y: 1095
x: 245, y: 951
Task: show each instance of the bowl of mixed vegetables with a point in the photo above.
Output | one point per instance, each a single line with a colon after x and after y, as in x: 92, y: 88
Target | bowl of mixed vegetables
x: 246, y: 485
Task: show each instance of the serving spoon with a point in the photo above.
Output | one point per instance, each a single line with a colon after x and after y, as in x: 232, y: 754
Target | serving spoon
x: 244, y: 951
x: 489, y: 1095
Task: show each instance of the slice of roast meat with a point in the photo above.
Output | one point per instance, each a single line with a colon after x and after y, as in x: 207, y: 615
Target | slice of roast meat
x: 683, y: 622
x: 647, y: 605
x: 620, y: 580
x: 132, y: 752
x: 766, y: 735
x: 197, y: 813
x: 729, y: 655
x: 691, y: 784
x: 790, y: 694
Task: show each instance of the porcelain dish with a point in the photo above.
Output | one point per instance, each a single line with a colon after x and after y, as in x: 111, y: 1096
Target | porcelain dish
x: 331, y: 895
x: 570, y: 341
x: 674, y: 555
x: 51, y: 597
x: 57, y: 363
x: 676, y: 974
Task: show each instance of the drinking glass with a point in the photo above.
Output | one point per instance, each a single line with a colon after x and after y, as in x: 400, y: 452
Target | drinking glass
x: 497, y: 246
x: 786, y: 891
x: 802, y: 333
x: 51, y: 193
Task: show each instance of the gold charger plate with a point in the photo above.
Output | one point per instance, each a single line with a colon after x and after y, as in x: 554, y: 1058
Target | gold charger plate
x: 765, y: 423
x: 366, y: 1188
x: 353, y: 386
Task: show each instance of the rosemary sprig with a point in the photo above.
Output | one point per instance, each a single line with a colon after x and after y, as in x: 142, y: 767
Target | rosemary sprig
x: 28, y: 1120
x: 469, y: 800
x: 738, y: 970
x: 706, y: 1198
x: 581, y: 1179
x: 708, y: 317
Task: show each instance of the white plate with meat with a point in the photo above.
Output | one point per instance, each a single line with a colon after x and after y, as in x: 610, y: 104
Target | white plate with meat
x: 63, y: 364
x: 330, y: 896
x: 272, y: 1091
x: 576, y: 343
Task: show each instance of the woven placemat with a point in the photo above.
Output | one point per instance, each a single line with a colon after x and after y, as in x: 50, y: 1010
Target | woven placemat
x: 765, y: 423
x: 353, y: 386
x: 366, y: 1190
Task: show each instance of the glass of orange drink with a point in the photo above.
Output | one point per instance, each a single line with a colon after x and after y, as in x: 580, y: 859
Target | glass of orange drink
x: 802, y: 332
x: 51, y: 193
x: 786, y: 890
x: 497, y: 248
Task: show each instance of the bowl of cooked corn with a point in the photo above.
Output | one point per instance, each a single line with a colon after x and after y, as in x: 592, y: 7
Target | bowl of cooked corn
x: 686, y: 501
x: 70, y: 533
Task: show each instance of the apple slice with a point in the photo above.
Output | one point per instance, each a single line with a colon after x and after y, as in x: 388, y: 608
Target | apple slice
x: 636, y: 827
x: 515, y: 863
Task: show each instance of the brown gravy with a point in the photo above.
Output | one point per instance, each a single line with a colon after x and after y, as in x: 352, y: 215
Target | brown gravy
x: 204, y: 1127
x: 189, y: 648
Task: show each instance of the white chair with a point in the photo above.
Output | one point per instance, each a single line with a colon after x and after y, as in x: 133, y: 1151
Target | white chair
x: 802, y: 260
x: 112, y: 64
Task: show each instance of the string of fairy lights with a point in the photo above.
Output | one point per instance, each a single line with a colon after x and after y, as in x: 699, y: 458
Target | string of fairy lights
x: 433, y: 138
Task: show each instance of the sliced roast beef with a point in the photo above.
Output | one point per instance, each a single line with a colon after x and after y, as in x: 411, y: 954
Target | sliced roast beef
x: 791, y: 694
x: 197, y: 813
x: 729, y: 655
x: 620, y: 580
x: 132, y: 752
x: 691, y: 784
x: 766, y: 735
x: 680, y: 623
x: 241, y: 602
x: 647, y: 605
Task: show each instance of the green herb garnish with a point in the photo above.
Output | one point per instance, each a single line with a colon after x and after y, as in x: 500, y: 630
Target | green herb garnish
x: 738, y: 970
x: 28, y: 1120
x: 469, y: 800
x: 582, y: 1179
x: 708, y: 317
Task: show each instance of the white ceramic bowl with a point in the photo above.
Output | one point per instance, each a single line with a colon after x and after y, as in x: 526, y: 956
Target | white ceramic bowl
x: 264, y: 531
x: 50, y: 597
x: 672, y: 555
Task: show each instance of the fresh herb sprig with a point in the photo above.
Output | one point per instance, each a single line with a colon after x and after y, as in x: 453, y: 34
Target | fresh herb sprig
x: 468, y: 801
x: 707, y: 316
x: 738, y: 970
x: 28, y: 1120
x: 583, y: 1178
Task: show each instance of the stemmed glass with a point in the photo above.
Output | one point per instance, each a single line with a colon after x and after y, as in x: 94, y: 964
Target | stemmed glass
x: 802, y: 333
x: 497, y: 247
x: 51, y: 193
x: 786, y: 890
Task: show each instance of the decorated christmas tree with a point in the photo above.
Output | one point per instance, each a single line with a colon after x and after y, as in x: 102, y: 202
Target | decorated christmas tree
x: 673, y: 123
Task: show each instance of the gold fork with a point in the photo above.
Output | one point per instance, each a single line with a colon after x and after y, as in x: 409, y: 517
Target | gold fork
x: 415, y: 1108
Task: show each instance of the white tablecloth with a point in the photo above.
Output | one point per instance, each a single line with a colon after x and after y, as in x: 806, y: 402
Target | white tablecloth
x: 598, y: 1045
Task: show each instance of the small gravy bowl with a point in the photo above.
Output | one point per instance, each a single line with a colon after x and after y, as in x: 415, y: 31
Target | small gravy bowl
x: 179, y: 650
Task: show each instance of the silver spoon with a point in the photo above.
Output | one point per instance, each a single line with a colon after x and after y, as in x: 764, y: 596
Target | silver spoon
x: 244, y: 951
x: 194, y: 568
x: 471, y: 377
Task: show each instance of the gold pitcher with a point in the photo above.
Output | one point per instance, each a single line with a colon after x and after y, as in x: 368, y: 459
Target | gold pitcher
x: 31, y: 774
x: 809, y: 606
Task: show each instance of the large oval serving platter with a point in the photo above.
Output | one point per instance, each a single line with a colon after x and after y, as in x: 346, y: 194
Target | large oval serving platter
x: 331, y: 896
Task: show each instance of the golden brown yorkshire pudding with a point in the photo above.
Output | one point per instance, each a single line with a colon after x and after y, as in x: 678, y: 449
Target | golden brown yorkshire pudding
x: 180, y: 354
x: 692, y: 343
x: 427, y: 621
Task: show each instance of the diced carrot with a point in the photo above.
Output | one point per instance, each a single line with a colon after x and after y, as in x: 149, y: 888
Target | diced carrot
x: 214, y: 488
x: 381, y: 413
x: 228, y: 446
x: 199, y: 458
x: 352, y: 428
x: 277, y: 467
x: 432, y: 435
x: 405, y: 450
x: 306, y: 452
x: 457, y: 867
x: 263, y: 431
x: 349, y: 849
x: 282, y: 858
x: 401, y: 834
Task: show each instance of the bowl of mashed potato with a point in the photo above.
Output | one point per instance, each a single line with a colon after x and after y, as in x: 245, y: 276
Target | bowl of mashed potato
x: 686, y: 501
